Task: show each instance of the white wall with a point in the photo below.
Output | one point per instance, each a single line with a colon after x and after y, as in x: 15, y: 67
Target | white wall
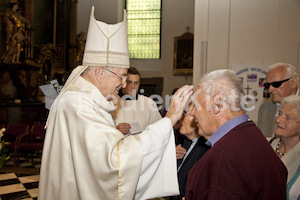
x: 176, y: 16
x: 248, y: 31
x: 245, y: 31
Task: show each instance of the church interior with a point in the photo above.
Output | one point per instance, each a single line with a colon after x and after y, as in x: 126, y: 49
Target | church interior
x: 42, y: 41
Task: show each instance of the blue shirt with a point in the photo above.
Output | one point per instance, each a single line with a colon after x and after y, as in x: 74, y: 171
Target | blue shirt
x: 225, y: 128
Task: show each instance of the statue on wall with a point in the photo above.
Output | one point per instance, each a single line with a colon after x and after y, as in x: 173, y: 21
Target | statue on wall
x: 47, y: 52
x: 48, y: 59
x: 15, y: 25
x: 12, y: 55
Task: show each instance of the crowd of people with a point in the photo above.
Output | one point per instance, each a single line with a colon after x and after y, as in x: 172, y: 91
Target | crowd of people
x: 96, y: 149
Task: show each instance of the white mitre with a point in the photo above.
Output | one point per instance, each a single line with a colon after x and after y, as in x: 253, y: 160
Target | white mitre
x: 106, y: 46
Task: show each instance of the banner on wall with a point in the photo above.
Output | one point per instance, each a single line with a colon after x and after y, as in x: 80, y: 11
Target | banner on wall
x: 253, y: 77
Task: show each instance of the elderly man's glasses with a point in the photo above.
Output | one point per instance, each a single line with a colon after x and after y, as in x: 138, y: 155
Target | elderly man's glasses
x: 275, y: 84
x: 187, y: 114
x: 123, y: 77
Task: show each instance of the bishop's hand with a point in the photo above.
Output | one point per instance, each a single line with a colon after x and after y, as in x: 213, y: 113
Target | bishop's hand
x: 178, y: 102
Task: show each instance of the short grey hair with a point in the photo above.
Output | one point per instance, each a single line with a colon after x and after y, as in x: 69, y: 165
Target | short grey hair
x: 291, y: 70
x: 292, y: 99
x: 224, y: 83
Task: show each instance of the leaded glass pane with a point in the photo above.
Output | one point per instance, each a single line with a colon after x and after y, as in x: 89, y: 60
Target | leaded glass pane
x: 144, y: 19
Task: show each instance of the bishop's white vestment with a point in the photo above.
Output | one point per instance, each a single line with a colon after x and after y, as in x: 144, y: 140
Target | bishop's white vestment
x: 86, y: 157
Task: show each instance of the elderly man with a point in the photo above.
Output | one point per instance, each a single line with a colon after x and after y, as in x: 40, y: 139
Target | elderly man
x: 237, y: 166
x: 132, y: 108
x: 281, y: 81
x: 85, y: 156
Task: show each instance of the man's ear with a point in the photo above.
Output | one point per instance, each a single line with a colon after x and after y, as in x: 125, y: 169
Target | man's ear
x: 217, y: 108
x: 217, y: 104
x: 295, y: 83
x: 98, y: 73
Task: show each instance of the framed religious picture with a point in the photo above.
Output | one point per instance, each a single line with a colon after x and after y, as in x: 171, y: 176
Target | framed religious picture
x: 183, y: 54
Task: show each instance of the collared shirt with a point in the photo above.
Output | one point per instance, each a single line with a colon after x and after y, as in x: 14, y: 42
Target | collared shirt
x: 194, y: 141
x: 225, y: 128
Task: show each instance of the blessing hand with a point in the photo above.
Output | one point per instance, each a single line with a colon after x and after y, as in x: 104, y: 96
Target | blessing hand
x: 178, y: 102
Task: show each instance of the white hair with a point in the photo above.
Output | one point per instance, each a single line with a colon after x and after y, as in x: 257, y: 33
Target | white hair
x: 291, y: 70
x: 223, y: 83
x: 293, y: 100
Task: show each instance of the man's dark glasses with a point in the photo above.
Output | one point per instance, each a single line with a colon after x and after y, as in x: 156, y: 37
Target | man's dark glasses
x: 275, y: 84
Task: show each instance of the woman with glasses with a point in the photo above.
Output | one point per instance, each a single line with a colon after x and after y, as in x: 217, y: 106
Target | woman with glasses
x: 287, y: 145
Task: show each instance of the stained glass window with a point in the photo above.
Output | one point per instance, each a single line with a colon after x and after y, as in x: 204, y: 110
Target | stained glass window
x: 144, y: 26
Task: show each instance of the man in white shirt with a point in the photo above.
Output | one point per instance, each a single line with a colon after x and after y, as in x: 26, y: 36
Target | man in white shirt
x: 134, y: 111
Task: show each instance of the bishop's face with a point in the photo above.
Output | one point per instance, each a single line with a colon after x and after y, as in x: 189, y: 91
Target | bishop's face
x: 113, y: 80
